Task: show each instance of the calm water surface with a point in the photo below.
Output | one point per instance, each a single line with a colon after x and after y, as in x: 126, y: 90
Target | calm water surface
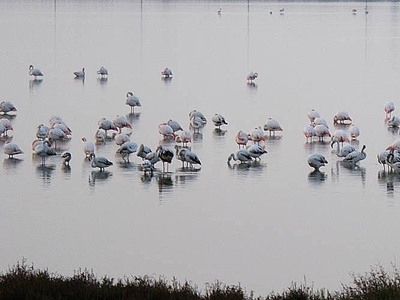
x: 263, y: 225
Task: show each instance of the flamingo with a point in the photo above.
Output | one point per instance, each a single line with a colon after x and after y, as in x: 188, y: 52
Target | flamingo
x: 7, y: 125
x: 56, y: 134
x: 142, y: 151
x: 251, y: 76
x: 99, y: 162
x: 2, y: 130
x: 166, y: 131
x: 393, y: 162
x: 153, y: 158
x: 309, y: 132
x: 12, y: 149
x: 66, y: 158
x: 127, y: 149
x: 356, y: 156
x: 184, y: 137
x: 320, y: 121
x: 132, y: 100
x: 80, y: 74
x: 185, y: 155
x: 354, y: 132
x: 100, y: 136
x: 256, y: 151
x: 321, y: 131
x: 241, y: 155
x: 166, y: 155
x: 196, y: 113
x: 242, y: 138
x: 196, y: 123
x: 103, y: 72
x: 121, y: 122
x: 344, y: 151
x: 393, y: 122
x: 272, y: 125
x: 88, y: 147
x: 257, y: 135
x: 316, y: 161
x: 389, y: 108
x: 121, y: 138
x: 341, y: 117
x: 146, y: 166
x: 6, y: 107
x: 383, y: 158
x: 166, y: 73
x: 42, y: 131
x: 341, y: 136
x: 218, y: 120
x: 106, y: 125
x: 174, y: 125
x: 34, y: 72
x: 43, y: 149
x: 312, y: 115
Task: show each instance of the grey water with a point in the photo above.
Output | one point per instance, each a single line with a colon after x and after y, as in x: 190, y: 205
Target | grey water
x: 262, y: 225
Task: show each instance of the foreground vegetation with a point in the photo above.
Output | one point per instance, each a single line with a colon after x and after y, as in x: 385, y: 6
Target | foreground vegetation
x: 25, y: 282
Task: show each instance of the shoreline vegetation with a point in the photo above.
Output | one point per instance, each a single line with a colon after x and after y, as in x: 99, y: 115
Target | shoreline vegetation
x: 23, y: 281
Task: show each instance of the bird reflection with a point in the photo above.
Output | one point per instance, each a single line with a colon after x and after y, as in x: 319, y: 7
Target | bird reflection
x: 197, y: 136
x: 133, y: 118
x: 317, y: 176
x: 186, y: 174
x: 146, y: 177
x: 252, y: 85
x: 352, y: 168
x: 167, y: 80
x: 98, y: 175
x: 11, y: 163
x: 102, y: 80
x: 393, y: 130
x: 165, y: 182
x: 44, y: 172
x: 219, y: 132
x: 66, y: 168
x: 35, y: 83
x: 79, y: 80
x: 389, y: 180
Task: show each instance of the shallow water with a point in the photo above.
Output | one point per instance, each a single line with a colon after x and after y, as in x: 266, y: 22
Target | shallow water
x: 264, y: 225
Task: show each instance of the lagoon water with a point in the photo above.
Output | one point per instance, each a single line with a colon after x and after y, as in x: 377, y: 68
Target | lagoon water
x: 262, y: 226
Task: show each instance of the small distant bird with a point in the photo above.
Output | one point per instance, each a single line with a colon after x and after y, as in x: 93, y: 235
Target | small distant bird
x: 66, y: 157
x: 218, y: 120
x: 80, y: 74
x: 389, y: 108
x: 103, y: 72
x: 354, y: 11
x: 6, y: 107
x: 99, y: 162
x: 166, y: 73
x: 282, y: 11
x: 34, y: 72
x: 252, y: 76
x: 316, y: 161
x: 132, y: 100
x: 241, y: 155
x: 12, y: 149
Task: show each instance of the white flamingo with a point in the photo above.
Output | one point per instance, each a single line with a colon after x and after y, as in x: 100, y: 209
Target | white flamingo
x: 142, y: 151
x: 6, y: 107
x: 103, y: 72
x: 316, y: 161
x: 341, y: 136
x: 272, y: 126
x: 344, y: 151
x: 43, y: 149
x: 312, y: 115
x: 241, y: 155
x: 12, y: 149
x: 342, y: 117
x: 218, y: 120
x: 88, y: 147
x: 257, y: 135
x: 389, y: 108
x: 42, y: 131
x: 121, y: 138
x: 80, y: 74
x: 132, y: 100
x: 256, y: 151
x: 241, y: 138
x: 184, y: 137
x: 7, y: 125
x: 166, y: 131
x: 356, y: 156
x: 321, y: 131
x: 309, y: 132
x: 187, y: 156
x: 106, y: 125
x: 34, y: 71
x: 354, y: 132
x: 174, y: 125
x: 99, y: 162
x: 121, y: 122
x: 127, y: 149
